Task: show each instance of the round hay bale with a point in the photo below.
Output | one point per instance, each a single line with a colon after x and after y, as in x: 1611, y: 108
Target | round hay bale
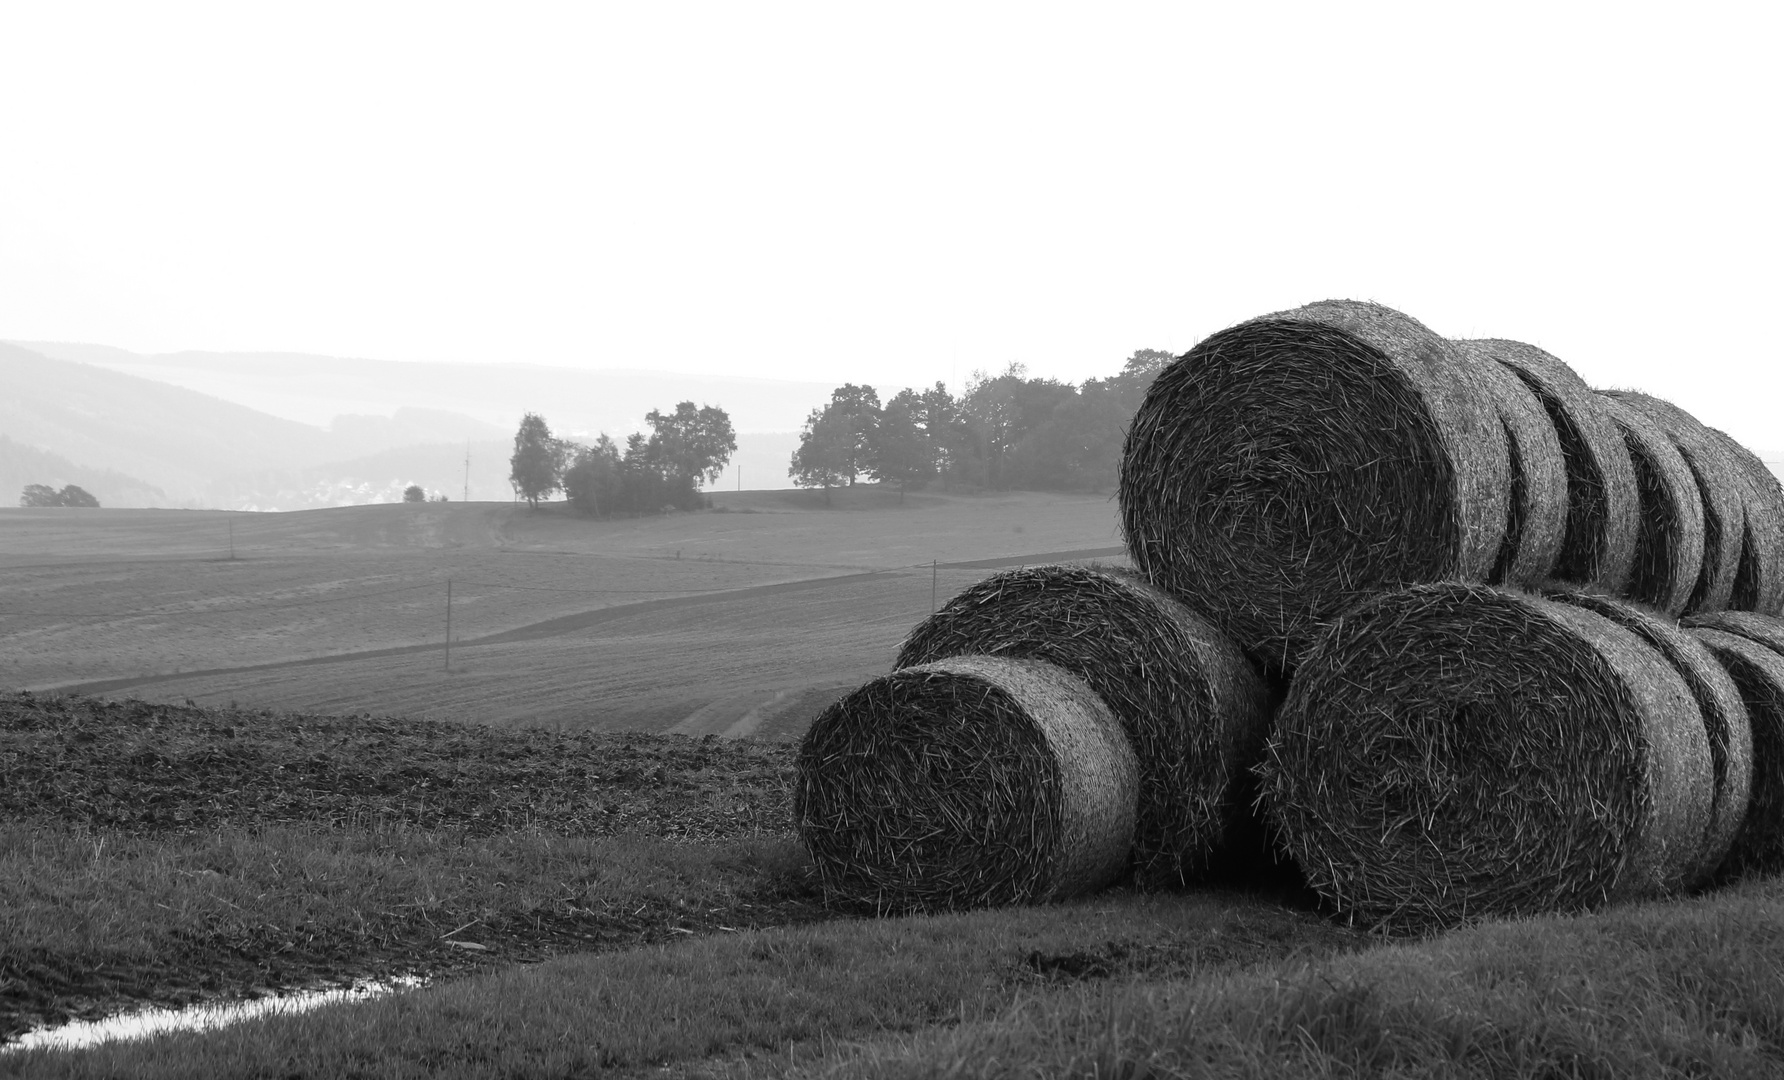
x: 1726, y: 728
x: 1759, y: 582
x: 1193, y: 709
x: 1456, y: 750
x: 1765, y: 629
x: 1536, y: 510
x: 969, y: 782
x: 1669, y: 547
x: 1759, y: 673
x: 1603, y: 506
x: 1286, y: 467
x: 1719, y: 489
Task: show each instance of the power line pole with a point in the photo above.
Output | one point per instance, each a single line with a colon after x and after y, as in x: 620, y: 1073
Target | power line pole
x: 932, y: 575
x: 231, y: 539
x: 467, y: 491
x: 448, y: 624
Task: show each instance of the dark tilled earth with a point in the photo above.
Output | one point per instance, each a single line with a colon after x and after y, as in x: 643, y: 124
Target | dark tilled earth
x: 159, y: 772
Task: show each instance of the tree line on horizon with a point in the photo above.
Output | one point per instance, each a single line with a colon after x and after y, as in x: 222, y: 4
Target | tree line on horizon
x: 45, y: 495
x: 662, y: 470
x: 1004, y: 432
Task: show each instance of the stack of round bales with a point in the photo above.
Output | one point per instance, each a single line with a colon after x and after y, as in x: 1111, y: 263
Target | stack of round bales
x: 1454, y: 750
x: 1536, y: 510
x: 1751, y: 647
x: 1290, y: 466
x: 1669, y: 548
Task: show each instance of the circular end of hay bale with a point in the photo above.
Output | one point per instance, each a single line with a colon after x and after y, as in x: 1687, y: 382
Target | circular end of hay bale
x: 1451, y: 751
x: 1669, y: 546
x: 1603, y: 505
x: 1719, y: 487
x: 1728, y: 736
x: 1759, y: 580
x: 969, y: 782
x: 1758, y: 847
x: 1285, y: 467
x: 1536, y: 510
x: 1193, y: 709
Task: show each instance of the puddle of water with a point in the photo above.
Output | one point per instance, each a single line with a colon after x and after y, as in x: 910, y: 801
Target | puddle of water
x: 138, y: 1025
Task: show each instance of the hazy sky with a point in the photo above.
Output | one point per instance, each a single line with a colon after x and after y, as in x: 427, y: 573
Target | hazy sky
x: 900, y: 193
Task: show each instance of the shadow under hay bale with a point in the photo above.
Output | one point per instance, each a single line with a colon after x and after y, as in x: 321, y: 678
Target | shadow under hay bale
x: 1455, y: 750
x: 1603, y: 505
x: 1194, y: 711
x: 1725, y: 722
x: 1719, y: 489
x: 1536, y: 510
x: 1669, y: 547
x: 1759, y: 582
x: 969, y: 782
x: 1286, y: 467
x: 1759, y: 673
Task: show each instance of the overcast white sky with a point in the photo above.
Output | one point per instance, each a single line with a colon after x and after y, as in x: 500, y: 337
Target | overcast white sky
x: 901, y: 193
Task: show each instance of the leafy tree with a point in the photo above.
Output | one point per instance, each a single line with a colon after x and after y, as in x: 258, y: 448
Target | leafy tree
x: 855, y: 412
x: 648, y: 483
x: 594, y: 481
x: 690, y: 442
x: 414, y: 493
x: 44, y: 495
x: 900, y: 450
x: 944, y: 428
x: 536, y: 468
x: 823, y: 454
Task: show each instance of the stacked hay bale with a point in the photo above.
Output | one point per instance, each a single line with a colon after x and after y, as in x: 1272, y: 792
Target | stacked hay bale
x: 969, y: 782
x: 1453, y: 750
x: 1194, y: 711
x: 1536, y: 511
x: 1292, y: 465
x: 1751, y: 647
x: 1669, y: 547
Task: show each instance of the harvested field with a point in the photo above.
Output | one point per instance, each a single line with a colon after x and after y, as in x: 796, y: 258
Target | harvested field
x: 1759, y: 673
x: 1194, y: 711
x: 968, y: 782
x: 1453, y: 751
x: 1536, y: 510
x: 1603, y: 509
x: 1288, y: 466
x: 1669, y: 548
x: 1720, y: 489
x: 1729, y: 732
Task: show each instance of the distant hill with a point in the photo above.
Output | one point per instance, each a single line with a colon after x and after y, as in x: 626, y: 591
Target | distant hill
x: 315, y: 389
x: 21, y: 465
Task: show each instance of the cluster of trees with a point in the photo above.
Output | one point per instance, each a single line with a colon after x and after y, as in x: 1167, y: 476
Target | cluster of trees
x: 1007, y: 431
x: 44, y: 495
x: 665, y: 469
x: 417, y: 493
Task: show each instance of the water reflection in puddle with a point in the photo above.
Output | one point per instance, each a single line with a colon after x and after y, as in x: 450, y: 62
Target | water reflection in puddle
x: 137, y: 1025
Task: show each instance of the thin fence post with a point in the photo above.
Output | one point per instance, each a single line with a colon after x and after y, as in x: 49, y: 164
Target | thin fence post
x: 932, y: 575
x: 448, y: 624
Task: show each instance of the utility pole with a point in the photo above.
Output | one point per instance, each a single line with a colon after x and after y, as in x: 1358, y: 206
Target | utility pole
x: 231, y: 539
x: 448, y: 624
x: 932, y: 575
x: 467, y: 492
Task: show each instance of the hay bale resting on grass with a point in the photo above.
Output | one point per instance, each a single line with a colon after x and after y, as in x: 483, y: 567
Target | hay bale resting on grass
x: 1719, y: 489
x: 1536, y: 511
x: 1669, y: 547
x: 969, y: 782
x: 1724, y: 714
x: 1759, y: 582
x: 1194, y: 711
x: 1456, y: 750
x: 1759, y: 673
x: 1286, y: 467
x: 1603, y: 504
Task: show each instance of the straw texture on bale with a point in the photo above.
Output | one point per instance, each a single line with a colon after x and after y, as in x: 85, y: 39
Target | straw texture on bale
x: 1193, y: 709
x: 1456, y: 750
x: 1603, y: 506
x: 1765, y: 629
x: 1759, y: 672
x: 1286, y: 467
x: 1536, y: 511
x: 1720, y: 493
x: 1669, y: 547
x: 1725, y: 723
x: 969, y: 782
x: 1759, y: 582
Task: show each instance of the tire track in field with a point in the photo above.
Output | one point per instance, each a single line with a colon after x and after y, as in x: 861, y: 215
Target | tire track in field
x: 583, y: 620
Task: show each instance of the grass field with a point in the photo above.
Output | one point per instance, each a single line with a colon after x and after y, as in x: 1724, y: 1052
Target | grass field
x: 741, y: 620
